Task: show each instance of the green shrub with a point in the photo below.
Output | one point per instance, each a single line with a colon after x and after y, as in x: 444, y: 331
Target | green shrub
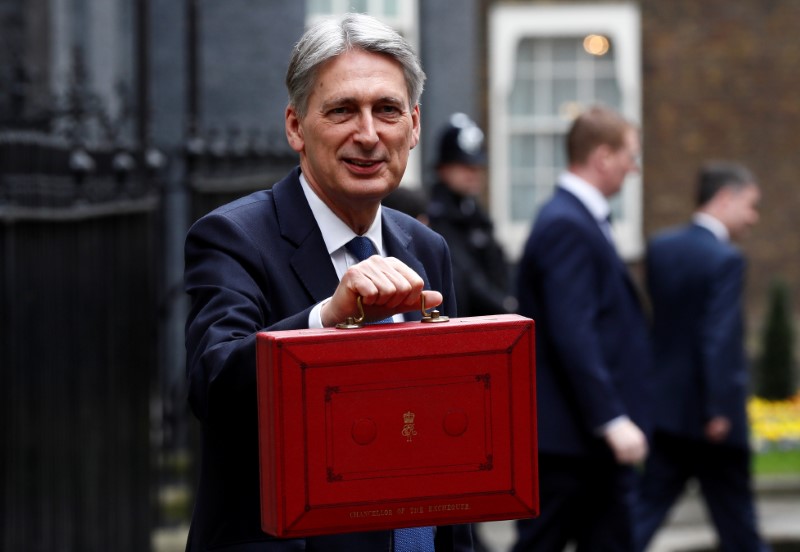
x: 775, y: 376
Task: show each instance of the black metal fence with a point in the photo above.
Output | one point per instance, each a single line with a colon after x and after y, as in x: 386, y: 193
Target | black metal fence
x: 78, y: 248
x: 91, y: 411
x: 224, y: 166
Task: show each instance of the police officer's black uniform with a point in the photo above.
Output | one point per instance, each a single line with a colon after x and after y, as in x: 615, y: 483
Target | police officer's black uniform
x: 480, y: 271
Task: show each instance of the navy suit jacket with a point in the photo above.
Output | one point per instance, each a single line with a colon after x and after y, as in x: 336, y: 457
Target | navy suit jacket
x: 260, y: 263
x: 592, y: 345
x: 695, y: 283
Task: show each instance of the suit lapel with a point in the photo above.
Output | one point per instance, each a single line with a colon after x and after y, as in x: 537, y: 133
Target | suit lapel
x: 600, y: 236
x: 298, y: 226
x: 589, y: 219
x: 310, y: 261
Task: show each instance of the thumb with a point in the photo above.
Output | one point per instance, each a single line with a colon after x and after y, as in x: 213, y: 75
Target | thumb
x: 431, y: 298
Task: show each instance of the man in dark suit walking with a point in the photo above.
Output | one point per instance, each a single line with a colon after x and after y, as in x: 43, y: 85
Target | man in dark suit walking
x: 285, y: 259
x: 592, y: 348
x: 695, y: 278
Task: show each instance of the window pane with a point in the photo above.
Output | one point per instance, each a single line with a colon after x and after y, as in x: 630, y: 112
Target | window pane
x: 523, y: 152
x: 529, y: 191
x: 358, y: 6
x: 525, y: 51
x: 319, y: 7
x: 607, y: 91
x: 390, y: 8
x: 541, y: 153
x: 523, y: 202
x: 544, y: 101
x: 565, y: 50
x: 617, y: 207
x: 559, y: 152
x: 522, y: 98
x: 564, y: 91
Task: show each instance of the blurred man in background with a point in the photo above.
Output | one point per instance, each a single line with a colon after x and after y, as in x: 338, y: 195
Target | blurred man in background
x: 592, y: 349
x: 695, y: 278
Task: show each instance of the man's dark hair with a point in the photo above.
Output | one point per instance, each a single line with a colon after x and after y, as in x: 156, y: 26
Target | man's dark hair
x: 598, y: 125
x: 715, y: 175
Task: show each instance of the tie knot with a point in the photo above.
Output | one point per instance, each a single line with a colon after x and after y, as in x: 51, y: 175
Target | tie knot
x: 361, y: 248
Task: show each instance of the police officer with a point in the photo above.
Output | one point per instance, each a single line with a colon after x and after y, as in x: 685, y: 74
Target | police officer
x: 480, y: 272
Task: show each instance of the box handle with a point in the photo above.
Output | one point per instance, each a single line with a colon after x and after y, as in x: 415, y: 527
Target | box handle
x: 434, y: 315
x: 353, y: 322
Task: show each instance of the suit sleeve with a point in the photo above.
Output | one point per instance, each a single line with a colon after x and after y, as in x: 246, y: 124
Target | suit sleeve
x: 570, y: 290
x: 224, y: 278
x: 721, y: 339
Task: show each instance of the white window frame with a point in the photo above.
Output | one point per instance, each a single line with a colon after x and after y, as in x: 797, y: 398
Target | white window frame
x: 510, y: 25
x: 407, y: 24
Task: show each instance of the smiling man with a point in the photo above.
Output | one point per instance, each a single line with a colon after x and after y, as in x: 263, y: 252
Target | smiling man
x: 285, y: 258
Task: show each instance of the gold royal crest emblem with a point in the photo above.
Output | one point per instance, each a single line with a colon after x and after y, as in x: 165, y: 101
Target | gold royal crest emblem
x: 408, y: 427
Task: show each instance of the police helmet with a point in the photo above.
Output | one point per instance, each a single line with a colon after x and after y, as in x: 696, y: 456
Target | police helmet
x: 461, y: 141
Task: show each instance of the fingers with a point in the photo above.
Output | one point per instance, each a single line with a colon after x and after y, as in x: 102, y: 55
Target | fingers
x: 627, y: 442
x: 386, y: 285
x: 717, y: 429
x: 384, y: 282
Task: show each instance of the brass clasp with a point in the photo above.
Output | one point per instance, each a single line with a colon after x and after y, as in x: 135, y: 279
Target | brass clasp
x: 434, y: 315
x: 353, y: 322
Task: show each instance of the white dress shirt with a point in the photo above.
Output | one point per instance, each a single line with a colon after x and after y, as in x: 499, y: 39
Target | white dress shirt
x: 713, y: 225
x: 336, y: 235
x: 591, y: 198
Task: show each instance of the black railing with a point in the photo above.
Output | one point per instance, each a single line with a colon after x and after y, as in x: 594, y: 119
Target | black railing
x: 90, y: 315
x: 38, y: 170
x: 78, y: 319
x: 224, y: 166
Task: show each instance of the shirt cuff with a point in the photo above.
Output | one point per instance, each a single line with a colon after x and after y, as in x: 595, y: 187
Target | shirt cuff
x: 315, y: 316
x: 603, y: 429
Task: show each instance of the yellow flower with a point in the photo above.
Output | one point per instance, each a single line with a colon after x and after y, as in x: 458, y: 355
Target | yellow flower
x: 775, y: 422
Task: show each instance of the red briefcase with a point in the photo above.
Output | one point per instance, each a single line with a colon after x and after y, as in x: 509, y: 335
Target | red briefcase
x: 397, y: 425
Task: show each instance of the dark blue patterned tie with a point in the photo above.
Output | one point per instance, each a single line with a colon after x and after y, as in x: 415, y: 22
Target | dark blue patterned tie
x: 361, y: 248
x: 413, y: 539
x: 605, y: 226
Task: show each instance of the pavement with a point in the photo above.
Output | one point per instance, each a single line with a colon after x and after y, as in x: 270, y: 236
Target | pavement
x: 687, y: 529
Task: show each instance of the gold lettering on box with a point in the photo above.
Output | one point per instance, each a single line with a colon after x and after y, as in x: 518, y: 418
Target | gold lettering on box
x: 371, y: 513
x: 448, y: 507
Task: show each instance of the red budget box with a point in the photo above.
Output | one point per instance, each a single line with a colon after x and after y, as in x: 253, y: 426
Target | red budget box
x: 397, y: 425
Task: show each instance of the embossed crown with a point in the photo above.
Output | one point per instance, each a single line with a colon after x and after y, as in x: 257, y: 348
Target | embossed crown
x: 408, y: 417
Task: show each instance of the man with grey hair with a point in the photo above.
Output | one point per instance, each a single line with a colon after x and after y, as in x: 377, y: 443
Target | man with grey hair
x: 695, y: 277
x: 298, y: 256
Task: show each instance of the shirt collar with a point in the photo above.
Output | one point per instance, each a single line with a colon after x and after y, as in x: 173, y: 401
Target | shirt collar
x: 713, y: 225
x: 335, y: 232
x: 588, y: 195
